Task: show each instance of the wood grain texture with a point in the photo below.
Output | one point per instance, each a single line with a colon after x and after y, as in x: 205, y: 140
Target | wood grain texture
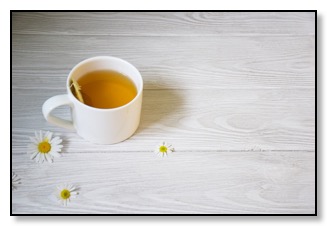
x: 175, y: 62
x: 193, y: 120
x: 184, y: 183
x: 233, y: 92
x: 165, y: 23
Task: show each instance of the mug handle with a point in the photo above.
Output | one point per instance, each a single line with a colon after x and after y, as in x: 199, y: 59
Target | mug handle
x: 52, y: 103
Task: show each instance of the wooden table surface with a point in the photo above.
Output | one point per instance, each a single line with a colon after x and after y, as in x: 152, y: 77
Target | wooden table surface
x: 233, y: 92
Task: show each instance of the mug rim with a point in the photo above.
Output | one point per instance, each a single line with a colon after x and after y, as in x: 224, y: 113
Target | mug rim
x: 139, y: 91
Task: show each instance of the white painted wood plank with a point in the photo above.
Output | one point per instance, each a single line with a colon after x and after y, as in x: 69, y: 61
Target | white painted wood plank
x: 164, y: 23
x: 233, y: 92
x: 184, y: 183
x: 193, y: 120
x: 173, y: 62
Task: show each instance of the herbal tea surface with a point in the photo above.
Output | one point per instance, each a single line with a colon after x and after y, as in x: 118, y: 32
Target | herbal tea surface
x: 106, y: 89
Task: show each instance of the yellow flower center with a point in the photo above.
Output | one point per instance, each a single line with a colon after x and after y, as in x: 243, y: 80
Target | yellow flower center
x: 163, y: 149
x: 44, y: 146
x: 65, y: 194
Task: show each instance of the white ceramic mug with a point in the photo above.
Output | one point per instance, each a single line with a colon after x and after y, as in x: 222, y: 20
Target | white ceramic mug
x: 101, y: 126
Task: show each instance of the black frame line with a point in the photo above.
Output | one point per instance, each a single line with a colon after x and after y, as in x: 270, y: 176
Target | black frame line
x: 136, y: 11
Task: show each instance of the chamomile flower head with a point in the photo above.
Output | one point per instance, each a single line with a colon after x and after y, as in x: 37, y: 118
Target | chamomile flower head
x: 15, y: 180
x: 45, y: 147
x: 163, y: 149
x: 65, y: 193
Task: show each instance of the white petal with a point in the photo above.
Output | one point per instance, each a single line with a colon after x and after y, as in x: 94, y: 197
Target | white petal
x: 34, y: 140
x: 16, y: 181
x: 33, y: 146
x: 36, y: 136
x: 56, y: 140
x: 48, y: 157
x: 41, y: 135
x: 59, y: 146
x: 55, y: 149
x: 42, y: 158
x: 74, y: 188
x: 38, y: 157
x: 57, y: 197
x: 48, y: 135
x: 34, y: 154
x: 55, y: 154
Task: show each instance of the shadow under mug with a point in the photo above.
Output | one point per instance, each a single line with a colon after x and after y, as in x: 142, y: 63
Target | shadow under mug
x: 100, y: 126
